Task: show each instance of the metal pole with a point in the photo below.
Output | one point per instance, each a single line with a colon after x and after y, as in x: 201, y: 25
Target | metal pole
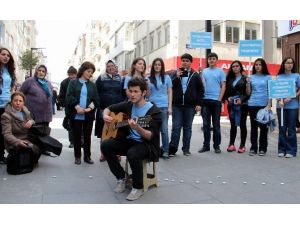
x: 207, y: 29
x: 31, y: 62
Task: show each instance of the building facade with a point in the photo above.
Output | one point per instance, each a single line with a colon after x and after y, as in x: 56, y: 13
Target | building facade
x: 18, y: 36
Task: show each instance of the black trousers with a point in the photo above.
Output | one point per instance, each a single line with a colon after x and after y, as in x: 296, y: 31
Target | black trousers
x: 243, y: 127
x: 1, y: 137
x: 79, y: 127
x: 135, y: 151
x: 263, y: 137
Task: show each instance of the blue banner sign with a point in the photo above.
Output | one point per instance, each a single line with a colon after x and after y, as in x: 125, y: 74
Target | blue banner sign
x: 201, y: 40
x: 283, y: 88
x: 249, y: 48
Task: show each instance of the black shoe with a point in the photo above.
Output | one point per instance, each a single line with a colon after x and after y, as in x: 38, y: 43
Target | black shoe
x: 172, y: 150
x: 217, y: 150
x: 77, y: 161
x: 204, y: 150
x: 89, y: 161
x: 71, y: 145
x: 3, y: 160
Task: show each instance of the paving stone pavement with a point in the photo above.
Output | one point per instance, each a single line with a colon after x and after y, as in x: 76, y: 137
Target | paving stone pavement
x: 206, y: 178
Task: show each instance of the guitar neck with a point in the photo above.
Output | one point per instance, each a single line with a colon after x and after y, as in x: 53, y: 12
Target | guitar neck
x: 122, y: 124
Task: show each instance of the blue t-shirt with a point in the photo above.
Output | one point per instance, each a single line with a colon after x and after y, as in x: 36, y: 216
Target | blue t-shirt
x: 82, y: 101
x: 259, y: 90
x: 160, y: 95
x: 138, y: 112
x: 293, y: 103
x: 127, y: 79
x: 213, y: 79
x: 5, y: 96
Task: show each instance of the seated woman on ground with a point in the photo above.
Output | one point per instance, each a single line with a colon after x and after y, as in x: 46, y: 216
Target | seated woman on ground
x: 16, y: 121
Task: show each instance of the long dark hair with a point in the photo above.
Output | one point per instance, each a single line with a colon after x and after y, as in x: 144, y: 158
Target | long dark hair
x: 85, y: 66
x: 264, y: 66
x: 135, y: 61
x: 282, y: 69
x: 231, y: 75
x: 162, y: 72
x: 10, y: 67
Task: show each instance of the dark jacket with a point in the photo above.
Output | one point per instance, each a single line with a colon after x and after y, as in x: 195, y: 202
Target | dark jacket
x: 194, y: 93
x: 73, y: 99
x: 63, y: 92
x: 238, y: 89
x: 110, y: 91
x: 155, y: 123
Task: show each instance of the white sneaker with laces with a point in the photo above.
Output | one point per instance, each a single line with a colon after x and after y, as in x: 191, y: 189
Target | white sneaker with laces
x: 289, y: 156
x: 121, y: 186
x: 135, y: 194
x: 280, y: 154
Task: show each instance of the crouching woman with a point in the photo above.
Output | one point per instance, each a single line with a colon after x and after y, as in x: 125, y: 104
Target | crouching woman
x: 16, y: 121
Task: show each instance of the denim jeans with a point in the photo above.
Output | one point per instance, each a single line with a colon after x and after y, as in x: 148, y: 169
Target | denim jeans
x: 211, y: 109
x: 243, y: 126
x: 182, y: 117
x: 263, y: 137
x: 164, y: 129
x: 287, y: 139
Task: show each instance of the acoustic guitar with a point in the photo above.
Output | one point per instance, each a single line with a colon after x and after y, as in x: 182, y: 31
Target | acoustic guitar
x: 110, y: 130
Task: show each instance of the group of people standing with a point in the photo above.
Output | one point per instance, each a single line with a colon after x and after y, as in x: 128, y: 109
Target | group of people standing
x: 180, y: 94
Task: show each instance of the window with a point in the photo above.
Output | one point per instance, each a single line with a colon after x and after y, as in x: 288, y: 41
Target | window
x: 279, y: 42
x: 107, y: 50
x: 158, y: 38
x: 151, y: 42
x: 116, y: 39
x: 138, y: 50
x: 236, y: 35
x: 232, y: 34
x: 128, y: 59
x: 217, y: 32
x: 250, y: 34
x: 145, y: 46
x: 167, y: 33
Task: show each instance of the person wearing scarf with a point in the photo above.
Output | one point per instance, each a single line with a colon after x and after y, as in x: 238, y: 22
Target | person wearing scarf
x: 38, y: 91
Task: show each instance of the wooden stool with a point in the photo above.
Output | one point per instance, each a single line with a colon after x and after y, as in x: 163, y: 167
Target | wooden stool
x: 149, y: 179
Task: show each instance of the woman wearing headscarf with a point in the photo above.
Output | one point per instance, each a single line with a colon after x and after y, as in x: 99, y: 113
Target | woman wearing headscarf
x: 38, y: 92
x: 110, y: 90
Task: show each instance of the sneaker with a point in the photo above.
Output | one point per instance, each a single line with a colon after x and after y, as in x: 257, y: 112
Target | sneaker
x: 71, y: 146
x: 121, y: 186
x: 262, y: 153
x: 252, y: 153
x: 203, y: 149
x: 241, y: 150
x: 165, y: 155
x: 3, y: 160
x: 231, y: 148
x: 135, y: 194
x: 172, y: 154
x: 187, y: 153
x: 217, y: 150
x: 289, y: 156
x: 280, y: 154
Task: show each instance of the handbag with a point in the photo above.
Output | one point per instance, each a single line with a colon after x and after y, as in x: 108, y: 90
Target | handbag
x: 20, y: 161
x: 66, y: 123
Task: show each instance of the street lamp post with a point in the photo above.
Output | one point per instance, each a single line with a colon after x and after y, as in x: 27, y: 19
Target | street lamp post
x: 31, y: 50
